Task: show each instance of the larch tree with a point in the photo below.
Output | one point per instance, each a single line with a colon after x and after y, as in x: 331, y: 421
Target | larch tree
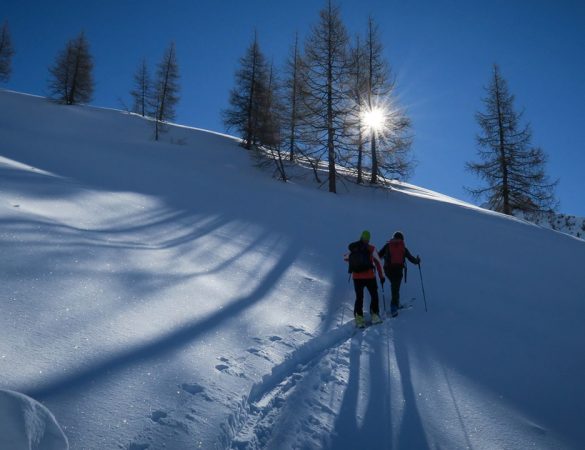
x: 71, y: 77
x: 325, y: 81
x: 271, y: 120
x: 390, y: 141
x: 292, y: 98
x: 166, y: 90
x: 247, y: 97
x: 357, y: 92
x: 141, y: 93
x: 513, y: 170
x: 6, y: 53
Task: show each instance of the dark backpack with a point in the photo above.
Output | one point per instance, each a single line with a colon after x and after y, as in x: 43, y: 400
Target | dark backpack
x: 360, y: 258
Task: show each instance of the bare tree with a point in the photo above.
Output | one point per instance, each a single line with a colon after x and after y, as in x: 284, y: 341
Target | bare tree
x: 390, y: 144
x: 6, y: 52
x: 166, y: 89
x: 71, y: 77
x: 141, y: 93
x: 246, y: 97
x: 395, y: 159
x: 358, y: 89
x: 512, y: 168
x: 326, y: 84
x: 271, y: 119
x: 293, y: 101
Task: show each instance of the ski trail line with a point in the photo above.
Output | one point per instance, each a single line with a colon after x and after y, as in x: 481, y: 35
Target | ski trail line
x: 302, y: 355
x: 261, y: 393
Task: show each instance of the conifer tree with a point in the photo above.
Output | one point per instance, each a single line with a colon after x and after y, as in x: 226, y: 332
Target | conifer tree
x: 358, y: 89
x: 141, y: 93
x: 6, y: 52
x: 293, y: 102
x: 390, y: 146
x: 246, y: 98
x: 325, y: 82
x: 512, y: 168
x: 71, y: 79
x: 270, y: 126
x: 166, y: 90
x: 270, y: 113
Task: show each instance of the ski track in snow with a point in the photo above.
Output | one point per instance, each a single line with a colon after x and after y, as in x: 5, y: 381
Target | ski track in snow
x: 252, y: 416
x: 253, y: 426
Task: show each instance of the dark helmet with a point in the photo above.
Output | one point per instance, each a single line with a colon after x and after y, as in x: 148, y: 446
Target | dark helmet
x: 398, y: 235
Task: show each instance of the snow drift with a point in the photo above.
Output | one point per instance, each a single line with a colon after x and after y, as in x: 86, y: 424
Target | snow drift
x: 27, y: 425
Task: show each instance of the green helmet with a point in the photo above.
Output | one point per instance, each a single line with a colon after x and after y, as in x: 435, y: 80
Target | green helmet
x: 365, y: 236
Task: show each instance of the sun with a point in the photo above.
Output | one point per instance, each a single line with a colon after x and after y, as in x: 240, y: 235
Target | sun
x: 374, y: 119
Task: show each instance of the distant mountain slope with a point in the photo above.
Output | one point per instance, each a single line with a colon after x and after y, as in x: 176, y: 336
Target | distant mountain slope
x: 572, y: 225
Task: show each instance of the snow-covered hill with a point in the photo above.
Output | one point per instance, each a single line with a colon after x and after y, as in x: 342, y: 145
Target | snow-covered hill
x: 172, y: 295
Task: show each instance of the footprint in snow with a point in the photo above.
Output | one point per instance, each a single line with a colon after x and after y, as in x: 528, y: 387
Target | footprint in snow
x: 136, y: 446
x: 162, y: 418
x: 258, y: 353
x: 300, y: 330
x: 158, y: 416
x: 194, y: 389
x: 225, y: 368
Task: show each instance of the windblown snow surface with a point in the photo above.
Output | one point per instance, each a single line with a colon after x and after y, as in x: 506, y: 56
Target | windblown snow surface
x: 173, y: 295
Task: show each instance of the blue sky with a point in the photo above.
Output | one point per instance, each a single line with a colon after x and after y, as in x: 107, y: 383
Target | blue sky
x: 441, y: 51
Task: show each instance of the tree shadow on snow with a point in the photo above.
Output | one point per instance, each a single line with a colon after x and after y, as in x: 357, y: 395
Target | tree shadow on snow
x: 169, y: 343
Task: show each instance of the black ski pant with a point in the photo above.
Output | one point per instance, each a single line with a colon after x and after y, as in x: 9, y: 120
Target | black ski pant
x: 372, y: 287
x: 395, y: 277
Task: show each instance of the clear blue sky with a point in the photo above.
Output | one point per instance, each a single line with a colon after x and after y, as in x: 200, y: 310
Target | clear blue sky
x: 441, y: 51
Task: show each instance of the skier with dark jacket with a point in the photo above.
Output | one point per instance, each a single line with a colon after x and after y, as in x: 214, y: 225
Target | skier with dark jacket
x: 362, y: 259
x: 395, y: 255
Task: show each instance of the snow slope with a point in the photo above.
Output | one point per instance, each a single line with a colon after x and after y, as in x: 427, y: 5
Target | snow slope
x: 172, y: 295
x: 25, y: 423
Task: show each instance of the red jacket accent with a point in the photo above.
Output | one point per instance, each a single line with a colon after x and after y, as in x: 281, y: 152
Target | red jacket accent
x: 369, y: 274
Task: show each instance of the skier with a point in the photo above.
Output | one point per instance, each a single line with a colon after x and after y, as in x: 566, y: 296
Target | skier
x: 362, y: 259
x: 395, y: 254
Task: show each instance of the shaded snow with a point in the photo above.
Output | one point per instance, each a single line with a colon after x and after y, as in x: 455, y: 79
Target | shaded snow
x: 173, y: 295
x: 27, y: 425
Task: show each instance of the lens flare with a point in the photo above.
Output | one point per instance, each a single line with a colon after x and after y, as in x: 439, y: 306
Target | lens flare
x: 374, y: 119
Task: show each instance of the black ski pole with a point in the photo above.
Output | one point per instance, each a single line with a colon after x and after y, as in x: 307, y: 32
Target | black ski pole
x: 384, y: 298
x: 423, y: 286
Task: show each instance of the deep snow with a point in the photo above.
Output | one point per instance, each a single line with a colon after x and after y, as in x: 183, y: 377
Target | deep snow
x: 173, y: 295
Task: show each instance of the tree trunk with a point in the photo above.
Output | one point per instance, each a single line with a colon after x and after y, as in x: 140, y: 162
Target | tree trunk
x: 506, y: 209
x: 375, y: 168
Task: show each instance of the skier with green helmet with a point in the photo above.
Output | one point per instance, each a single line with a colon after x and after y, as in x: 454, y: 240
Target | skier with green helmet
x: 363, y: 259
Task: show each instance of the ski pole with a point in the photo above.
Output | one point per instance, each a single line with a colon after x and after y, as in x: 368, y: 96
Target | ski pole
x: 423, y: 286
x: 384, y: 298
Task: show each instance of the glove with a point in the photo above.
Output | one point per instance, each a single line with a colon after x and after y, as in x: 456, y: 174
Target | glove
x: 418, y: 260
